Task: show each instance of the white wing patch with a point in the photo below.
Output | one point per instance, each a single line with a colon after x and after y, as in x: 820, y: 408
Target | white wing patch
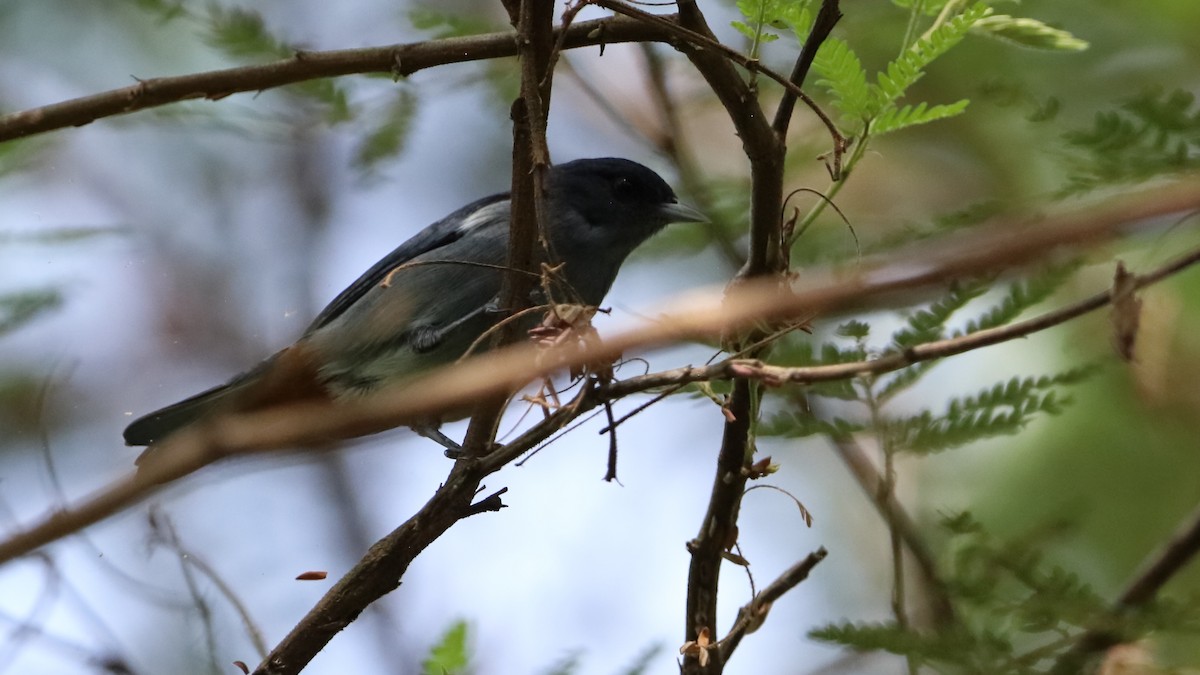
x: 485, y: 215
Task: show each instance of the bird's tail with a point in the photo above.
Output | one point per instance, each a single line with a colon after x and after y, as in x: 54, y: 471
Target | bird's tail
x: 153, y: 427
x: 287, y: 376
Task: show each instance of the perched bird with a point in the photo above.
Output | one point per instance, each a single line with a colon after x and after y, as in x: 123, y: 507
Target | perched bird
x: 427, y: 302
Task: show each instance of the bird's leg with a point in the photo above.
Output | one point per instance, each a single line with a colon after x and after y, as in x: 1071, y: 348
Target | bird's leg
x: 425, y: 338
x: 432, y: 432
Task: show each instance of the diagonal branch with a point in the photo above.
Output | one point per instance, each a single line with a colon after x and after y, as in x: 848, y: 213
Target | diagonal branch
x: 1156, y: 571
x: 898, y: 520
x: 827, y: 18
x: 380, y: 570
x: 873, y: 283
x: 752, y: 615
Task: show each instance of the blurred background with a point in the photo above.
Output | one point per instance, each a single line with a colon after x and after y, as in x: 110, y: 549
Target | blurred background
x: 144, y: 258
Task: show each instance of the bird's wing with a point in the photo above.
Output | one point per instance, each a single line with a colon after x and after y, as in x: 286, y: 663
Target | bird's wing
x: 438, y: 235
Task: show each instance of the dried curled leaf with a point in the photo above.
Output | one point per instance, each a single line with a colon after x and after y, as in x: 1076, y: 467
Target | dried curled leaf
x: 698, y: 648
x: 1126, y: 313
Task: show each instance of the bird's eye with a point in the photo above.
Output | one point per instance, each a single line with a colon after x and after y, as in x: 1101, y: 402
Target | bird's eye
x: 624, y: 189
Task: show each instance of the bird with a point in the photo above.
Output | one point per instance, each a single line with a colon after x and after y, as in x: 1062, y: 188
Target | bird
x: 428, y: 302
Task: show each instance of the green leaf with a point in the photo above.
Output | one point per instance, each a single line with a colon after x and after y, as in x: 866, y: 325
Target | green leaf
x: 21, y: 154
x: 444, y: 25
x: 449, y: 656
x: 1003, y: 409
x: 644, y: 660
x: 60, y: 235
x: 1150, y: 135
x: 910, y: 66
x: 790, y: 424
x: 927, y: 323
x: 840, y: 71
x: 390, y: 133
x: 242, y: 33
x: 903, y: 380
x: 761, y: 14
x: 167, y: 11
x: 18, y: 309
x: 928, y: 7
x: 856, y: 330
x: 894, y: 119
x: 567, y: 665
x: 1030, y: 33
x: 978, y: 652
x: 1021, y: 296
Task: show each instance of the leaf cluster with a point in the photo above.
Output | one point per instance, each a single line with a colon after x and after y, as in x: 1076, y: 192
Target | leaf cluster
x: 1018, y: 612
x: 1003, y: 408
x: 874, y: 107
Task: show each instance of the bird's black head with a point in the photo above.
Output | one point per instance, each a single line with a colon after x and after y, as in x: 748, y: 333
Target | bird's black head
x: 613, y: 205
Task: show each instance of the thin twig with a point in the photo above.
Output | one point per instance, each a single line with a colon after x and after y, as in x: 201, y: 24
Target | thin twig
x: 752, y: 615
x: 868, y: 478
x: 671, y: 143
x: 827, y: 17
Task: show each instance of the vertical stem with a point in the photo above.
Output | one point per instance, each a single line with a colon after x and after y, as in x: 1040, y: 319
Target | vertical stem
x: 886, y: 498
x: 914, y: 14
x: 530, y: 159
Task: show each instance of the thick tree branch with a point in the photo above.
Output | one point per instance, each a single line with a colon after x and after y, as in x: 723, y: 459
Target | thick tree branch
x: 399, y: 60
x: 765, y: 150
x: 530, y: 159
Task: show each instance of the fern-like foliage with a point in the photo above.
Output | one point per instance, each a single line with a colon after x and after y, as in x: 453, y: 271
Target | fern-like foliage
x: 1030, y: 33
x: 842, y: 74
x: 893, y: 118
x: 875, y: 105
x: 803, y: 353
x: 243, y: 35
x: 928, y: 323
x: 791, y: 424
x: 389, y: 132
x: 904, y: 72
x: 440, y: 24
x: 763, y: 15
x: 928, y: 7
x: 1150, y: 135
x: 1021, y: 296
x: 925, y: 325
x: 1000, y: 410
x: 1014, y: 608
x: 964, y: 648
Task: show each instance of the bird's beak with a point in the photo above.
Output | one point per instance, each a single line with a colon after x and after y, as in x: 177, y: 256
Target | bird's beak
x: 681, y: 213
